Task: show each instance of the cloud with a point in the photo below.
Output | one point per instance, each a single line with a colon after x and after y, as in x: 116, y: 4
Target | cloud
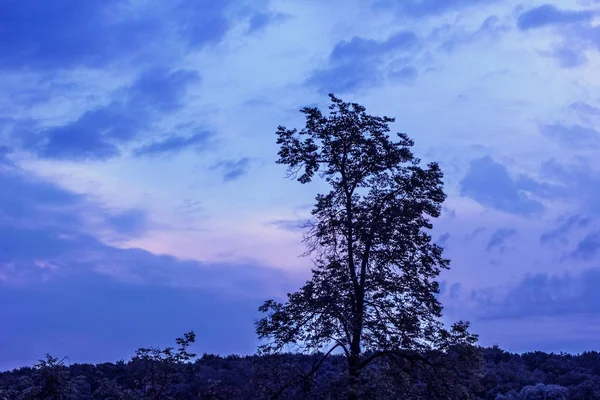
x: 542, y: 295
x: 579, y: 184
x: 344, y: 78
x: 490, y: 184
x: 69, y: 33
x: 160, y: 89
x: 293, y: 225
x: 568, y: 57
x: 359, y: 62
x: 588, y: 248
x: 233, y: 169
x: 550, y: 15
x: 575, y: 28
x: 443, y: 239
x: 33, y: 204
x: 452, y: 38
x: 585, y: 110
x: 575, y: 136
x: 174, y: 144
x: 423, y: 8
x: 260, y: 21
x: 97, y: 134
x: 4, y: 152
x: 566, y: 225
x: 498, y: 239
x: 454, y: 290
x: 131, y: 223
x: 476, y: 232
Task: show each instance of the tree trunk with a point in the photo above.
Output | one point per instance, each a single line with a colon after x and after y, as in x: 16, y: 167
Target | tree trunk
x: 354, y: 372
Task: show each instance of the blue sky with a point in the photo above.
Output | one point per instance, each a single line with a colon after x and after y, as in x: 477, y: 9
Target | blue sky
x: 140, y: 196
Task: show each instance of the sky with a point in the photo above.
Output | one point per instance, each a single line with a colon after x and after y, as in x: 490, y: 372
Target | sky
x: 140, y: 198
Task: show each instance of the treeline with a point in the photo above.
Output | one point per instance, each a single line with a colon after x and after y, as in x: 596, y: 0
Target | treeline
x: 163, y: 374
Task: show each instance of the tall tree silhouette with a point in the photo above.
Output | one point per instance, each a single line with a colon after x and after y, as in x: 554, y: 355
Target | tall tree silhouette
x: 373, y: 288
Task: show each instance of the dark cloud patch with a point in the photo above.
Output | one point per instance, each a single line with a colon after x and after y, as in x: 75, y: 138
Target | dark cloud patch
x: 498, y: 239
x: 404, y: 74
x: 452, y: 38
x: 97, y: 134
x: 443, y: 239
x: 358, y: 63
x: 550, y: 15
x: 577, y: 32
x: 543, y: 295
x: 56, y: 34
x: 200, y: 22
x: 454, y: 290
x: 233, y: 169
x: 566, y: 225
x: 4, y: 153
x: 25, y: 199
x: 293, y: 225
x: 588, y: 248
x: 569, y: 57
x: 174, y: 144
x: 448, y: 212
x: 585, y: 110
x: 28, y: 202
x: 490, y: 184
x: 161, y: 89
x: 344, y: 78
x: 85, y: 139
x: 476, y: 232
x: 575, y: 136
x: 130, y: 223
x: 580, y: 185
x: 260, y: 21
x: 348, y: 51
x: 423, y: 8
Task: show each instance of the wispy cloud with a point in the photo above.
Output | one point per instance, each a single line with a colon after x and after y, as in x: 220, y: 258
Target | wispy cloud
x: 261, y: 20
x: 59, y: 34
x: 542, y: 295
x: 294, y: 225
x: 174, y: 144
x: 498, y: 239
x: 566, y: 225
x: 359, y: 62
x: 550, y: 15
x: 423, y: 8
x: 490, y: 184
x: 588, y: 248
x: 97, y: 133
x: 575, y: 27
x: 233, y: 169
x: 576, y: 135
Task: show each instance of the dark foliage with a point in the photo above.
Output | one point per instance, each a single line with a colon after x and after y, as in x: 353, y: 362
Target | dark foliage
x: 529, y: 376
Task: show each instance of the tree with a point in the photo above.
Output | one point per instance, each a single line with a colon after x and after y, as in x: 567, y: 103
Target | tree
x: 373, y: 289
x: 161, y: 365
x: 53, y: 378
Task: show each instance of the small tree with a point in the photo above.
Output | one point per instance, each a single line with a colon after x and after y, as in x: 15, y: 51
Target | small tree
x: 162, y: 365
x: 373, y: 289
x: 54, y: 379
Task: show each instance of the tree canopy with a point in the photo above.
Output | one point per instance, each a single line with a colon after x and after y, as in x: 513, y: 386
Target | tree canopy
x: 373, y: 288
